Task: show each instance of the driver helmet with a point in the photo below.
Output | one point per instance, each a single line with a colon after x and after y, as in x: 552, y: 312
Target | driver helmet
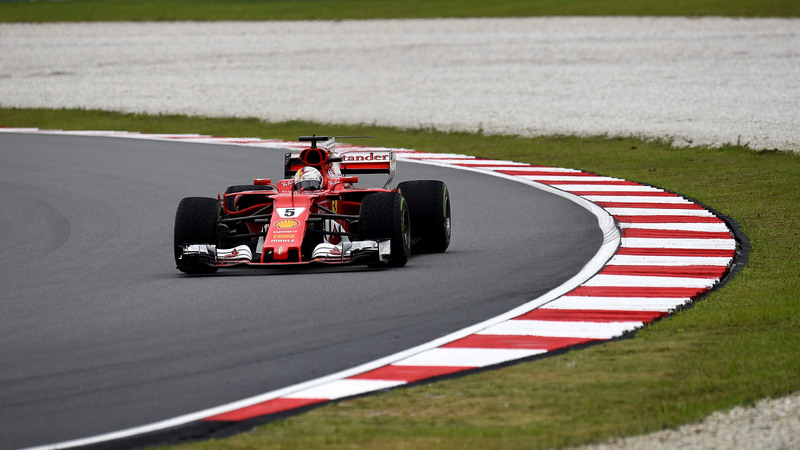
x: 307, y: 178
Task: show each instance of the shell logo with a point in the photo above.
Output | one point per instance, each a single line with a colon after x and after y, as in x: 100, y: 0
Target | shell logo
x: 286, y: 224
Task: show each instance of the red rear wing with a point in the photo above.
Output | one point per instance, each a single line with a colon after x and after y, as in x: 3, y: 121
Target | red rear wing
x: 350, y: 161
x: 368, y: 161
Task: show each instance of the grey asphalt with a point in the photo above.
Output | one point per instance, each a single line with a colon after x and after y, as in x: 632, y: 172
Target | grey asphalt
x: 100, y: 332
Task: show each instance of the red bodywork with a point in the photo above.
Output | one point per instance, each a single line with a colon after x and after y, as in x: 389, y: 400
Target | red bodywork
x: 288, y: 224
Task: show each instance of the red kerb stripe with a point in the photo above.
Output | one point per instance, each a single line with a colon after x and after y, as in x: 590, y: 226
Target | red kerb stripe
x: 546, y: 173
x: 427, y: 156
x: 516, y: 342
x: 262, y: 409
x: 674, y: 234
x: 589, y: 183
x: 478, y: 164
x: 710, y: 272
x: 627, y: 193
x: 716, y: 253
x: 408, y: 374
x: 650, y: 205
x: 667, y: 219
x: 591, y: 315
x: 628, y: 291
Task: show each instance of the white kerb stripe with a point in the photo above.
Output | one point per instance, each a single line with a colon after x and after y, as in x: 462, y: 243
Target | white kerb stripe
x: 607, y: 187
x: 467, y: 357
x: 449, y: 156
x: 665, y: 304
x: 445, y: 161
x: 546, y: 328
x: 658, y: 212
x: 539, y: 169
x: 344, y: 388
x: 636, y: 260
x: 635, y: 199
x: 696, y: 226
x: 566, y: 178
x: 641, y: 281
x: 708, y: 244
x: 487, y: 162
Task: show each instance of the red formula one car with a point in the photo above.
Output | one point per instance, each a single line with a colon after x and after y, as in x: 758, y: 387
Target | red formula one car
x: 314, y: 214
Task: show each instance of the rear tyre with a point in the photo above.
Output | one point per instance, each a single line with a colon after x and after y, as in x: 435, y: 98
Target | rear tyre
x: 195, y: 223
x: 385, y: 215
x: 429, y: 204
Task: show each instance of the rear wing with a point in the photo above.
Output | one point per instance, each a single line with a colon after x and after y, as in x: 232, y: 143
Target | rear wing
x: 351, y: 161
x: 355, y: 162
x: 379, y: 161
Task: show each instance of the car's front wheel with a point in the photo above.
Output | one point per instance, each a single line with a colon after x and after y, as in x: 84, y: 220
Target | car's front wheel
x: 195, y: 223
x: 385, y: 215
x: 429, y: 204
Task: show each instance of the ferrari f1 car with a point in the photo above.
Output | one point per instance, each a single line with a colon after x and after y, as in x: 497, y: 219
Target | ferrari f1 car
x: 315, y: 214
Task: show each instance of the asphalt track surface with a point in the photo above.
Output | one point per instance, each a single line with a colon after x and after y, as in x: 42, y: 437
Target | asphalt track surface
x: 100, y: 332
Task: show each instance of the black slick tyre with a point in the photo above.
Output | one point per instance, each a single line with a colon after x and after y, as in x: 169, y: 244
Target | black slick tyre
x: 429, y: 204
x: 385, y: 215
x: 195, y: 223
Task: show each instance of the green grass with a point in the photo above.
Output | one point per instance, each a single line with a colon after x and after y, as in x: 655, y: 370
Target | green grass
x: 736, y: 346
x: 111, y: 10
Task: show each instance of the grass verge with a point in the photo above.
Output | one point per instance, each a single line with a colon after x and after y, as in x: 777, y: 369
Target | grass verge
x: 113, y: 10
x: 736, y: 346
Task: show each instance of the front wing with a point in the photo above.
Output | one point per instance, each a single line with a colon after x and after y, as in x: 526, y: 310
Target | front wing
x: 364, y: 252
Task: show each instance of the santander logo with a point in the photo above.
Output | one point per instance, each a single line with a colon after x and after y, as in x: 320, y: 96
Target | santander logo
x: 371, y: 156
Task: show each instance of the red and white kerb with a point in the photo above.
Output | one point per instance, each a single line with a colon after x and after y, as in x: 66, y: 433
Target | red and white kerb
x: 672, y: 251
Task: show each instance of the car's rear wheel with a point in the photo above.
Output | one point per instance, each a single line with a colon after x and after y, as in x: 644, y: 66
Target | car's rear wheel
x: 429, y: 205
x: 385, y: 215
x: 195, y: 223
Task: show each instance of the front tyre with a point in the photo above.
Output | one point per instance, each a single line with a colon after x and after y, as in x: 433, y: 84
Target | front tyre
x: 195, y: 223
x: 385, y: 215
x: 429, y: 204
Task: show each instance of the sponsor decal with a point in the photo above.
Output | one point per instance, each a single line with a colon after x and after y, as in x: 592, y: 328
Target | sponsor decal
x: 364, y: 157
x: 283, y: 237
x: 286, y: 224
x: 288, y: 213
